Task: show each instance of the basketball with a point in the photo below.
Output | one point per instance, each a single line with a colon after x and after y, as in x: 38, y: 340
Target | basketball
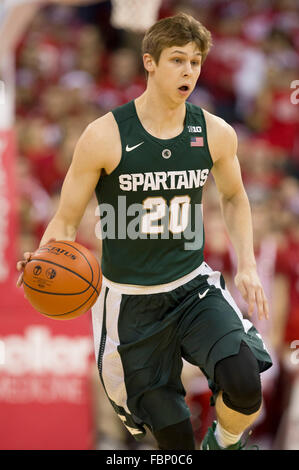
x: 62, y: 280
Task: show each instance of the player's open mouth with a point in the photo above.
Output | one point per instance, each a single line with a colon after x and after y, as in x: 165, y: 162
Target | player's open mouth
x: 184, y: 89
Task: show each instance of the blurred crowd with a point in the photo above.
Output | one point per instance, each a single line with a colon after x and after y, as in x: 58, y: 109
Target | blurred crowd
x: 73, y: 67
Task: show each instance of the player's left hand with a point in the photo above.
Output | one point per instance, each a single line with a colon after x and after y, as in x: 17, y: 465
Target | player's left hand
x: 249, y: 284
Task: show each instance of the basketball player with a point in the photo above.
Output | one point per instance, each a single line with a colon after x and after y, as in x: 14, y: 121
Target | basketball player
x: 160, y: 302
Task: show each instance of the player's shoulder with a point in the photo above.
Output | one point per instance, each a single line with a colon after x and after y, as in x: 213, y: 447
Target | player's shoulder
x: 99, y: 144
x: 108, y: 123
x: 102, y: 127
x: 101, y: 134
x: 218, y: 125
x: 222, y: 137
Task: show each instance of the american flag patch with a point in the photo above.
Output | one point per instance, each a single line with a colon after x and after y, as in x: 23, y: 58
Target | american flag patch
x: 197, y: 142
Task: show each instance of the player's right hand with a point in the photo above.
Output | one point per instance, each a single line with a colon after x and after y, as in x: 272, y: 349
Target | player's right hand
x: 21, y: 264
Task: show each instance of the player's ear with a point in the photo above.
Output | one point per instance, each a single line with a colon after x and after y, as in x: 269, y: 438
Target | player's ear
x: 148, y: 62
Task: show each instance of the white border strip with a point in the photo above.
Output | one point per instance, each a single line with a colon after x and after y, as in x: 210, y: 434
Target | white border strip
x: 131, y: 289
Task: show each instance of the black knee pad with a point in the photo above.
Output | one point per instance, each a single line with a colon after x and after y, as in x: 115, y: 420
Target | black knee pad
x: 178, y: 436
x: 239, y: 379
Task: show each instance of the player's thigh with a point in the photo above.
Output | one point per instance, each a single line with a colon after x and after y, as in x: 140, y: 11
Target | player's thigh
x: 207, y: 322
x: 217, y: 330
x: 140, y: 360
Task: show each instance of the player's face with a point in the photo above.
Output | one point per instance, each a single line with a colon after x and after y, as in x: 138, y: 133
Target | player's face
x: 178, y: 70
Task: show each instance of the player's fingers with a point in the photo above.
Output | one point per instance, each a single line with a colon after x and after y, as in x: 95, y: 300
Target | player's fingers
x: 20, y: 280
x: 248, y: 294
x: 251, y: 300
x: 242, y: 288
x: 21, y: 265
x: 27, y: 255
x: 260, y: 303
x: 266, y: 306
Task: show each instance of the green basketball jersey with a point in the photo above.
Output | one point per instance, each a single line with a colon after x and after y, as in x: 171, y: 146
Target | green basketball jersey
x: 151, y: 203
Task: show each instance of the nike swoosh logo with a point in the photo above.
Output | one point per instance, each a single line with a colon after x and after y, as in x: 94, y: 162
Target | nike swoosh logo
x: 201, y: 296
x: 129, y: 149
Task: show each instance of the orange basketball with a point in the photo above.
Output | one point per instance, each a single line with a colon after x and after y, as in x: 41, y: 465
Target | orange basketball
x: 62, y: 280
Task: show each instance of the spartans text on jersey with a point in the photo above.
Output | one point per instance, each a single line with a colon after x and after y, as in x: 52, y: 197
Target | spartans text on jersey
x: 157, y: 180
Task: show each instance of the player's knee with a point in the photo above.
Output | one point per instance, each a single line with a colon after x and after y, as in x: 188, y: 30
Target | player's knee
x: 244, y: 394
x: 239, y: 379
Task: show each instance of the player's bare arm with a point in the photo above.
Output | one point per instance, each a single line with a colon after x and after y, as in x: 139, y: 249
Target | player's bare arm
x: 236, y: 211
x: 98, y: 149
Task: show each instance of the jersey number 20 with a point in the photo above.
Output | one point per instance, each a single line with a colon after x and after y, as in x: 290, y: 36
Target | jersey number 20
x: 178, y: 214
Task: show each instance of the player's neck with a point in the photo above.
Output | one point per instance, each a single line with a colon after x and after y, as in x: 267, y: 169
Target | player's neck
x: 161, y: 118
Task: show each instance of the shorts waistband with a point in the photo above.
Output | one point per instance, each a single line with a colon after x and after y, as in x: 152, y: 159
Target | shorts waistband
x: 131, y: 289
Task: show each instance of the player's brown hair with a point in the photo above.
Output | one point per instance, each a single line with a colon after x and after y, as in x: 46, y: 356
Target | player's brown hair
x: 176, y: 30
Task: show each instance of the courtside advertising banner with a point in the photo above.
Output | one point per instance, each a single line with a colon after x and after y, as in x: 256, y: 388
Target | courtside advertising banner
x: 45, y: 365
x: 45, y: 381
